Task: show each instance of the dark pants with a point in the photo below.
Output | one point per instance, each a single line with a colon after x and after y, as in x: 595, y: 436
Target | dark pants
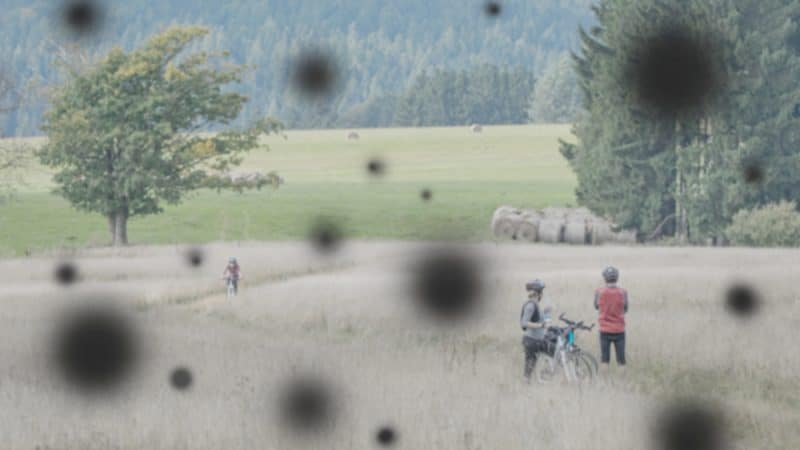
x: 619, y: 347
x: 532, y: 348
x: 235, y: 285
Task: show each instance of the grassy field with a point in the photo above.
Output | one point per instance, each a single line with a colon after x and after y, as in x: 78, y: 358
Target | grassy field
x: 349, y: 320
x: 469, y: 175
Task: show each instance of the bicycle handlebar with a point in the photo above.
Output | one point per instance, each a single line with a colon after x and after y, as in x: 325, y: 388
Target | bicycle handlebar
x: 578, y: 325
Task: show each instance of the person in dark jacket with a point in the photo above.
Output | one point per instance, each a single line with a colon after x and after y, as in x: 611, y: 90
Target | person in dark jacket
x: 533, y: 322
x: 611, y: 302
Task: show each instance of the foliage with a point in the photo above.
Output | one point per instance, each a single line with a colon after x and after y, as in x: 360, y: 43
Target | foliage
x: 381, y: 46
x: 641, y: 169
x: 14, y: 159
x: 556, y: 97
x: 772, y: 225
x: 485, y: 94
x: 123, y: 135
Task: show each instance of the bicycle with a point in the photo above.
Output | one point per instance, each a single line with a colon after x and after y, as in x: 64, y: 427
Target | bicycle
x: 577, y: 365
x: 231, y: 286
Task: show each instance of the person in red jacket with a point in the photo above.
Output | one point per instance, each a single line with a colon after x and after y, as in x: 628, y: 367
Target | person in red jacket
x: 611, y: 302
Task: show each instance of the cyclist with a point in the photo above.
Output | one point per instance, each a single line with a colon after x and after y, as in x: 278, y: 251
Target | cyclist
x: 232, y: 272
x: 533, y: 323
x: 611, y: 302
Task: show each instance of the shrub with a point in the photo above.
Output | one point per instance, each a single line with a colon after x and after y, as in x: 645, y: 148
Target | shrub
x: 773, y: 225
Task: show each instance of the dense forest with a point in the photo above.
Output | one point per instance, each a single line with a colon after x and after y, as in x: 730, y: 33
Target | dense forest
x: 687, y: 172
x: 380, y: 47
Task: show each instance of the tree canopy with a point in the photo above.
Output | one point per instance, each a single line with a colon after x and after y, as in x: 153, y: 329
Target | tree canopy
x: 123, y: 135
x: 689, y: 172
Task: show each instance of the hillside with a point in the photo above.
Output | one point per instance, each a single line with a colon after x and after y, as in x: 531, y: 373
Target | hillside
x: 380, y: 46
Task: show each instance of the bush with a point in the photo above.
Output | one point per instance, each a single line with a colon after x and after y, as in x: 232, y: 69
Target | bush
x: 773, y: 225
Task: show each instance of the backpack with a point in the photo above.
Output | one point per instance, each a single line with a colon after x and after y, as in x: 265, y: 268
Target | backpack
x: 534, y: 318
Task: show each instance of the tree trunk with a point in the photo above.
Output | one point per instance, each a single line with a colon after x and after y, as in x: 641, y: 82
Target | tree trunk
x: 118, y: 225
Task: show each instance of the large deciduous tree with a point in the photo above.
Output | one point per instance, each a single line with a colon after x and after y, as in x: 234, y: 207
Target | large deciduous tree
x: 126, y: 134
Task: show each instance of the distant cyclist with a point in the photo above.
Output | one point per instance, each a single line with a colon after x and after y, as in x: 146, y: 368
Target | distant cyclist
x: 533, y: 322
x: 611, y: 302
x: 233, y: 273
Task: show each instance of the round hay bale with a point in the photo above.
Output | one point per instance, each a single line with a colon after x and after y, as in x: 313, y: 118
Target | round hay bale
x: 506, y: 227
x: 625, y: 237
x: 555, y: 213
x: 528, y: 230
x: 551, y: 231
x: 601, y: 232
x: 575, y: 232
x: 476, y: 128
x: 353, y: 136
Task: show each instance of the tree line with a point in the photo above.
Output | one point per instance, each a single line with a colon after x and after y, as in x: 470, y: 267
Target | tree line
x: 381, y: 47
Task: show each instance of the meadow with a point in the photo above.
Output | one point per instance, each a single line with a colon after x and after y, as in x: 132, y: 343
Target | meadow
x: 348, y: 319
x: 468, y: 174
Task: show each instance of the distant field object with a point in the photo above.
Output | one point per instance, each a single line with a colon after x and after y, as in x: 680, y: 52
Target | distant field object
x: 476, y: 128
x: 553, y: 225
x: 353, y: 136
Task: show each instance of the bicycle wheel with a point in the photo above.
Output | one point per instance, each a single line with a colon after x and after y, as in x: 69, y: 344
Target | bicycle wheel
x: 581, y: 368
x: 591, y: 360
x: 547, y: 369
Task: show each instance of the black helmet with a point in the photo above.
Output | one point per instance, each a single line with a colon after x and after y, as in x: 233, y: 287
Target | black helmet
x: 535, y: 285
x: 610, y: 274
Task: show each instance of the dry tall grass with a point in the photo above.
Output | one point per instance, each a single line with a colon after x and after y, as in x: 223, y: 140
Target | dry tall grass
x: 348, y: 318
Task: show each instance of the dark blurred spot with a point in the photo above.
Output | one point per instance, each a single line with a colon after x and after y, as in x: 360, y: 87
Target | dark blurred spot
x: 66, y: 273
x: 95, y: 348
x: 376, y: 167
x: 426, y: 194
x: 315, y: 74
x: 386, y: 436
x: 690, y: 426
x: 326, y: 235
x: 753, y: 173
x: 796, y: 111
x: 81, y: 16
x: 674, y: 71
x: 307, y: 405
x: 195, y: 257
x: 181, y: 378
x: 493, y: 9
x: 742, y: 300
x: 447, y: 283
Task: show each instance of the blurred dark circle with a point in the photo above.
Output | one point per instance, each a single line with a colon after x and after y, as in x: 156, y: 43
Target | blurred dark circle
x: 690, y: 425
x: 426, y: 194
x: 326, y: 235
x: 195, y: 257
x: 95, y: 348
x: 447, y: 283
x: 307, y: 405
x: 81, y: 16
x: 742, y: 300
x: 386, y: 436
x: 493, y: 8
x: 315, y: 73
x: 674, y: 71
x: 753, y: 173
x: 181, y: 378
x: 376, y: 167
x: 66, y: 273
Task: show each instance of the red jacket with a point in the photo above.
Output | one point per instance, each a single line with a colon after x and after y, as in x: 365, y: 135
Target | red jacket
x: 612, y: 303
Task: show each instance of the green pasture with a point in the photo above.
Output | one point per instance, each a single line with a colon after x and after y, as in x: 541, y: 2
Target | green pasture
x: 468, y: 174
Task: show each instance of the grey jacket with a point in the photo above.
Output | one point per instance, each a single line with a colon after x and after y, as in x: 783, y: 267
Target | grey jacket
x: 527, y: 314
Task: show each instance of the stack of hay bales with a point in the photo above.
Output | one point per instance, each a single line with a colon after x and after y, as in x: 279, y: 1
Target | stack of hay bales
x: 528, y: 229
x: 577, y: 226
x: 505, y: 222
